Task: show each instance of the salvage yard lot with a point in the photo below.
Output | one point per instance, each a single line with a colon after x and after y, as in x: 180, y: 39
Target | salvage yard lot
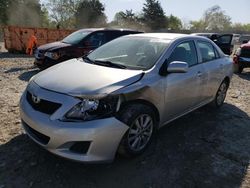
x: 207, y: 148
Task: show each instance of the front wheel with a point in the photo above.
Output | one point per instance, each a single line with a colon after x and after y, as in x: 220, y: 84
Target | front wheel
x: 141, y: 121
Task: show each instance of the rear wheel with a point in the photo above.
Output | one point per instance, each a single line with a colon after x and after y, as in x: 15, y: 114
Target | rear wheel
x: 221, y: 94
x: 141, y: 121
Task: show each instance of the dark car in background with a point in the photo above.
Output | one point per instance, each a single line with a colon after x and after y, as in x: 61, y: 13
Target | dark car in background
x: 242, y: 57
x: 244, y: 39
x: 224, y: 41
x: 76, y: 45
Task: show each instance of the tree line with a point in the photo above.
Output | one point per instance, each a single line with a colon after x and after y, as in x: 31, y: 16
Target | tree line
x: 75, y: 14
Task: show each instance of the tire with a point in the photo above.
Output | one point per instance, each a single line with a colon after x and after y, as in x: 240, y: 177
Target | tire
x: 142, y: 122
x: 221, y: 94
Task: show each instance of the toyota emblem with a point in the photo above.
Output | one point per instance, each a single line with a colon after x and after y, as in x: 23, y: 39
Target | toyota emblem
x: 35, y: 99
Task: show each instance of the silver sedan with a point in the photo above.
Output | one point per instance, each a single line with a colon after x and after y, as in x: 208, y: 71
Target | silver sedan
x: 114, y: 99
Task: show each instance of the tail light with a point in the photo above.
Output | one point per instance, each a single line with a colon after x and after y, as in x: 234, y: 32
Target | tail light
x: 236, y: 59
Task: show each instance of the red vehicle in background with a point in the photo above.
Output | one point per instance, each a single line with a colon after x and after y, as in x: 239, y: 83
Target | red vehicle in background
x: 76, y: 45
x: 242, y: 57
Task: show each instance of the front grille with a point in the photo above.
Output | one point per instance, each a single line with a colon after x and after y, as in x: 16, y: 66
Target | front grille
x: 43, y: 106
x: 245, y: 53
x: 43, y: 139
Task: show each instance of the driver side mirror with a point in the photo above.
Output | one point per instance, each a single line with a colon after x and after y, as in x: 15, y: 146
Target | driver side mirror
x: 174, y: 67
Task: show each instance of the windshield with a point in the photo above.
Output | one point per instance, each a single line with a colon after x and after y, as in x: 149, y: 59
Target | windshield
x: 75, y: 37
x: 131, y: 52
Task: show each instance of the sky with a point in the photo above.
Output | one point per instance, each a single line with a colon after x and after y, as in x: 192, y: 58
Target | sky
x: 186, y: 10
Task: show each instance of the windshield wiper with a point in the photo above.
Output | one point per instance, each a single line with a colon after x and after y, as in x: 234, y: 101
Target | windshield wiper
x: 87, y: 59
x: 109, y: 63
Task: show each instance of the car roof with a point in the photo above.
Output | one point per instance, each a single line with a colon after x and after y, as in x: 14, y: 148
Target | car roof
x: 107, y: 29
x: 210, y: 34
x: 168, y: 36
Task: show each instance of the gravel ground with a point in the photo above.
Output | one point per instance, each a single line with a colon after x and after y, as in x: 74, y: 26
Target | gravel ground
x: 207, y: 148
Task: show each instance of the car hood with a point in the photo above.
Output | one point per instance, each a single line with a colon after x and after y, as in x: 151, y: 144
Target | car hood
x: 78, y: 78
x: 53, y: 46
x: 247, y: 45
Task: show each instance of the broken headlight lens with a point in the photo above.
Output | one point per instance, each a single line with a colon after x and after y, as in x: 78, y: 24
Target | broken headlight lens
x: 53, y: 55
x: 89, y: 109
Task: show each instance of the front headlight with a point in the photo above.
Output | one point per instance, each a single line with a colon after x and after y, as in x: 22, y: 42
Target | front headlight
x: 52, y: 55
x: 89, y: 109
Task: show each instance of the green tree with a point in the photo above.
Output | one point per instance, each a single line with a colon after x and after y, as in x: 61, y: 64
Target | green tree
x: 62, y: 12
x: 238, y: 27
x: 3, y: 11
x: 153, y: 15
x: 174, y: 23
x: 90, y: 13
x: 199, y: 25
x: 214, y: 19
x: 21, y: 13
x: 24, y: 13
x: 46, y: 22
x: 127, y: 19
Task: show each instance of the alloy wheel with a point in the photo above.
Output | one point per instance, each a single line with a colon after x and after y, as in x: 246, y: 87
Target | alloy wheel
x: 140, y: 132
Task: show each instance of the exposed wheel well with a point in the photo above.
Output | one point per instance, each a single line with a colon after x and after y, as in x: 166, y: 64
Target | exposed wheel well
x: 141, y: 101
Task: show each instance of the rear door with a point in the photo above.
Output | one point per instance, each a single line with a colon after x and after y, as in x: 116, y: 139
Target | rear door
x: 225, y: 43
x: 213, y: 67
x: 183, y: 90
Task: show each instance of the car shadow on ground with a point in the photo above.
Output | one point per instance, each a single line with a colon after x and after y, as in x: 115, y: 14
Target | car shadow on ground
x: 25, y: 76
x: 207, y: 148
x: 13, y: 70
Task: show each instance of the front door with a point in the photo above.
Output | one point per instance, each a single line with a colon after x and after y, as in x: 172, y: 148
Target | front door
x: 183, y: 91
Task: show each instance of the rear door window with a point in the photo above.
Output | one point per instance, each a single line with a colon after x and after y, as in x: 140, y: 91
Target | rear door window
x: 207, y: 51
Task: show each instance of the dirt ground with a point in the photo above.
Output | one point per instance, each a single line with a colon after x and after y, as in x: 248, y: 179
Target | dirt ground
x: 207, y: 148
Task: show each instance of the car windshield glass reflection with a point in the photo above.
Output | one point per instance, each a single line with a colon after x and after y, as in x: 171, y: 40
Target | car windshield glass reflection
x: 75, y: 37
x: 133, y: 53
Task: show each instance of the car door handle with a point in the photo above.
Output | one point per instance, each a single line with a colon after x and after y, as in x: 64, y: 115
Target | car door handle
x: 199, y: 74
